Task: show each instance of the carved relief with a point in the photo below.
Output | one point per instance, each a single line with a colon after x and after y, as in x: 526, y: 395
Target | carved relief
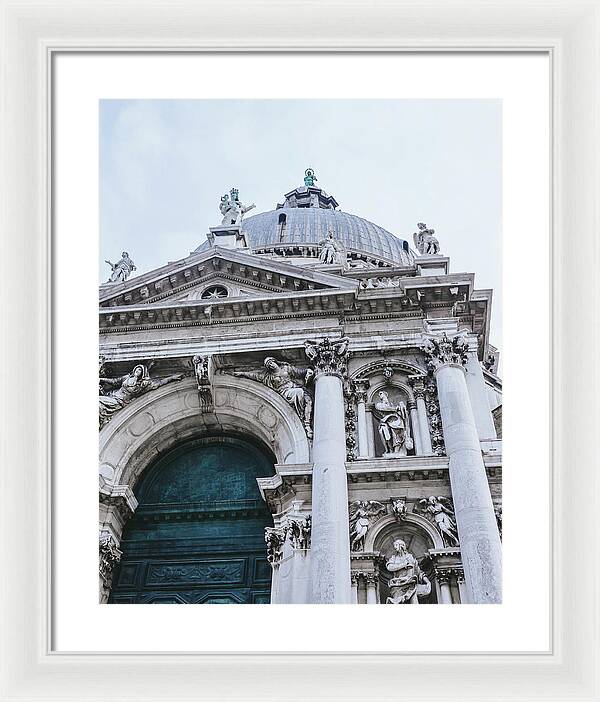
x: 441, y: 350
x: 299, y: 532
x: 362, y: 513
x: 275, y: 538
x: 350, y: 396
x: 127, y: 388
x: 110, y: 557
x: 434, y: 418
x: 439, y: 510
x: 203, y: 370
x: 398, y: 508
x: 216, y: 572
x: 291, y: 382
x: 329, y: 357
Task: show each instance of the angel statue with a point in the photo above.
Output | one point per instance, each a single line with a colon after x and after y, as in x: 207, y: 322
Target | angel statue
x: 361, y: 513
x: 439, y: 510
x: 128, y: 387
x: 393, y: 426
x: 232, y: 209
x: 425, y: 242
x: 290, y: 382
x: 409, y: 581
x: 121, y: 270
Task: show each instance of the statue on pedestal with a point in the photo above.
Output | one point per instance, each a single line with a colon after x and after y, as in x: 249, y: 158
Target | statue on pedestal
x: 331, y: 251
x: 128, y: 387
x: 425, y: 243
x: 232, y: 209
x: 121, y: 270
x: 409, y: 581
x: 309, y: 177
x: 290, y: 382
x: 393, y: 426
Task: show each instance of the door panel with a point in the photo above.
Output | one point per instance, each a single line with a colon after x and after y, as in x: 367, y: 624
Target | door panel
x: 198, y: 533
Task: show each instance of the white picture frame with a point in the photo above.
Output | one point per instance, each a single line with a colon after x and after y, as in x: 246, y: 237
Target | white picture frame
x: 33, y: 32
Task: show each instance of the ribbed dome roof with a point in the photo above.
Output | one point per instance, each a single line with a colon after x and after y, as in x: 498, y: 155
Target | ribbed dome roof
x: 308, y: 215
x: 311, y: 225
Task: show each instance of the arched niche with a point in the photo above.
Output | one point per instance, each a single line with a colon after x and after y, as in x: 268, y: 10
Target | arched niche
x: 159, y: 420
x: 419, y: 536
x: 376, y: 367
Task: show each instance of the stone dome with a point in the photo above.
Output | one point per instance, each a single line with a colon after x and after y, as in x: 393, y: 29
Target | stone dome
x: 308, y: 215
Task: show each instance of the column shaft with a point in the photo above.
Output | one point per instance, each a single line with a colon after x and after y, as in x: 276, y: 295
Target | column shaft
x: 479, y: 399
x: 414, y: 420
x: 477, y: 529
x: 424, y: 426
x: 371, y: 592
x: 330, y: 567
x: 361, y: 412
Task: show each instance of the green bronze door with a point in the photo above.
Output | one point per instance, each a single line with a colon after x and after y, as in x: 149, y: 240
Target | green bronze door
x: 197, y: 535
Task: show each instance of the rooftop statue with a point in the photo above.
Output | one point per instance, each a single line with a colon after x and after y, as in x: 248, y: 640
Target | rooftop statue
x: 121, y: 270
x: 309, y: 177
x: 232, y: 209
x: 425, y: 242
x: 330, y: 250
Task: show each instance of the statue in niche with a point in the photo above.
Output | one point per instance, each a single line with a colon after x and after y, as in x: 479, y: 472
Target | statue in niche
x: 425, y: 243
x: 128, y: 387
x: 409, y: 581
x: 361, y: 513
x: 121, y: 270
x: 290, y: 382
x: 393, y: 426
x: 232, y: 209
x: 440, y: 511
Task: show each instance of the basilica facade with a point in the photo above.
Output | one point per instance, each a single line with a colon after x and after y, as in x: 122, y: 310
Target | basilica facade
x: 305, y: 409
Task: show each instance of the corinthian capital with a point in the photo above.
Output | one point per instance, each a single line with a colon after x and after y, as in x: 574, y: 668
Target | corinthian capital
x: 440, y: 350
x: 329, y: 357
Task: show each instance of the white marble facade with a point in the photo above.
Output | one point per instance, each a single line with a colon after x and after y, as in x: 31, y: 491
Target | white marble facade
x: 379, y: 407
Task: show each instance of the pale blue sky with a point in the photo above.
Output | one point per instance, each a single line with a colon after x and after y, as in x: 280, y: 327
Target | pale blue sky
x: 164, y: 165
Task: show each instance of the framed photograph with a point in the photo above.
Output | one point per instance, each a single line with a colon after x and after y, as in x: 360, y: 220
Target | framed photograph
x: 340, y: 282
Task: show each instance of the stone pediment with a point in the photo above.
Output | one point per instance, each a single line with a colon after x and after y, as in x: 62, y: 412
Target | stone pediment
x: 219, y: 273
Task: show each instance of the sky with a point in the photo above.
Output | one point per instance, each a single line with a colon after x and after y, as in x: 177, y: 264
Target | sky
x: 164, y: 165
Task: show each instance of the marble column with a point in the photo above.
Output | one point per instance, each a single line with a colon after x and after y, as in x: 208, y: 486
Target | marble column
x: 354, y: 582
x: 443, y: 578
x: 477, y: 529
x: 425, y: 434
x: 361, y: 416
x: 371, y: 588
x: 462, y: 588
x: 414, y: 420
x: 478, y: 396
x: 330, y: 557
x: 370, y: 434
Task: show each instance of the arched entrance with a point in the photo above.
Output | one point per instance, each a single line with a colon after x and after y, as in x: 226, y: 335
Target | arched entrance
x: 197, y: 535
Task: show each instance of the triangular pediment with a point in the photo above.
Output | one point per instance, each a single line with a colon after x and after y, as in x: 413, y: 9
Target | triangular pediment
x: 238, y: 274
